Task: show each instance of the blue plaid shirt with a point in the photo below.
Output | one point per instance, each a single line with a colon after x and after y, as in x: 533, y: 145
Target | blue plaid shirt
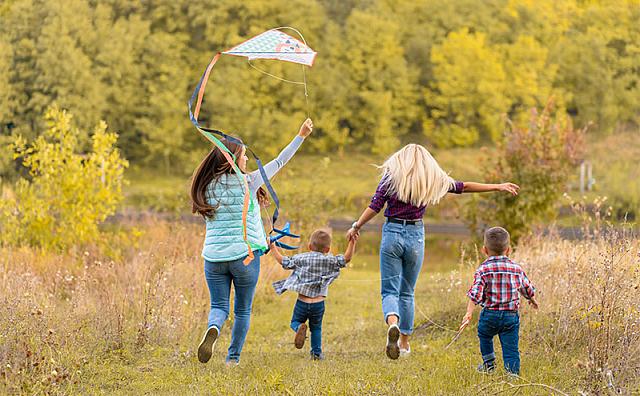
x: 312, y: 274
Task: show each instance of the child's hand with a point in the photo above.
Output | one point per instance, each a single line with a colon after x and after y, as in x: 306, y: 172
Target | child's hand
x: 353, y: 233
x: 306, y: 128
x: 511, y: 188
x: 354, y: 237
x: 533, y: 303
x: 466, y: 320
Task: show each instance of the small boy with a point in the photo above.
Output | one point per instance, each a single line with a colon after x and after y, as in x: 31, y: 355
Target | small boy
x: 312, y: 274
x: 496, y: 284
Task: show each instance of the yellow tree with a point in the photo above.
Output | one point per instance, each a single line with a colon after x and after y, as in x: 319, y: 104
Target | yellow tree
x: 383, y: 100
x: 469, y: 94
x: 69, y: 192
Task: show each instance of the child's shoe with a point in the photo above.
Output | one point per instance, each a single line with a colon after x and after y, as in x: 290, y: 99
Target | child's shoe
x: 319, y: 356
x: 393, y: 335
x: 487, y: 367
x: 404, y: 353
x: 301, y: 335
x: 205, y: 349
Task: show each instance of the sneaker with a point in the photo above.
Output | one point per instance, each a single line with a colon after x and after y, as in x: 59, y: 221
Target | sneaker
x: 487, y: 368
x: 232, y: 363
x: 405, y: 352
x: 393, y: 335
x: 316, y: 356
x: 205, y: 349
x: 301, y: 335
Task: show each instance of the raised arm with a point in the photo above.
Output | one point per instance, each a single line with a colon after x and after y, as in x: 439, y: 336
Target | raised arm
x: 271, y: 168
x: 473, y: 187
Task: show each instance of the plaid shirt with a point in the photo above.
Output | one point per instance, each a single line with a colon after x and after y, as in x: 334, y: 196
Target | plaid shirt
x: 399, y: 209
x: 497, y: 282
x: 312, y: 274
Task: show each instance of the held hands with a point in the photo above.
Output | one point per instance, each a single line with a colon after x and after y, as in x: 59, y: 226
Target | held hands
x: 353, y: 234
x: 306, y: 128
x: 533, y: 303
x: 511, y: 188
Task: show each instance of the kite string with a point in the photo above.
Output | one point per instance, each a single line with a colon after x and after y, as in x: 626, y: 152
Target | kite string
x: 304, y: 74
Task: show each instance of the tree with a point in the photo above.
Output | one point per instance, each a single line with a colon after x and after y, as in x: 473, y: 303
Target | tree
x: 538, y: 156
x: 598, y: 64
x: 469, y: 95
x: 69, y: 192
x: 384, y: 99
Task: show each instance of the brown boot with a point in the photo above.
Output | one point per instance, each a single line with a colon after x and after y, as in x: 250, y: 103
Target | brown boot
x: 301, y: 334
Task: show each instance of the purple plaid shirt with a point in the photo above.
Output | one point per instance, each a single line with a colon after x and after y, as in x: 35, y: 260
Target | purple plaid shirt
x: 402, y: 210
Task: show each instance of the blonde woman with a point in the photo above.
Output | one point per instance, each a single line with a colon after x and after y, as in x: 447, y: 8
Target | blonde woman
x: 411, y: 180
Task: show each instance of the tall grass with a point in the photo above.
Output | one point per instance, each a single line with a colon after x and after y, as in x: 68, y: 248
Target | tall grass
x: 66, y: 318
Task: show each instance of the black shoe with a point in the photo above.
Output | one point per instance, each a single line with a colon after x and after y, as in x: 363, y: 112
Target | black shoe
x: 317, y: 356
x: 205, y: 350
x: 487, y: 367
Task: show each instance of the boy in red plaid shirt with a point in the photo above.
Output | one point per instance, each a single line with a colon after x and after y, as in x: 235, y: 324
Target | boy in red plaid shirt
x: 497, y: 283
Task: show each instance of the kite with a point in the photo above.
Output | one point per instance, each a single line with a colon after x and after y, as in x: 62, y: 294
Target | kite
x: 272, y: 44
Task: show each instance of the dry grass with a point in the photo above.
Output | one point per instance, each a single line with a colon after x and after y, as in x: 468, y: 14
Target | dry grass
x: 85, y: 323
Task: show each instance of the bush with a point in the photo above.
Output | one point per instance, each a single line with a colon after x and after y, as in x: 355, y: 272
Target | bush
x: 68, y: 193
x: 539, y: 157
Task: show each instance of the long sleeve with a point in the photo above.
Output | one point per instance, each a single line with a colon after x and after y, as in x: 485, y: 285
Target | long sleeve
x: 380, y: 197
x: 255, y: 178
x: 527, y: 290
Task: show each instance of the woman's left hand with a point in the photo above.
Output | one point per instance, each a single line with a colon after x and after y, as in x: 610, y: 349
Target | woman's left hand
x: 511, y: 188
x: 306, y: 128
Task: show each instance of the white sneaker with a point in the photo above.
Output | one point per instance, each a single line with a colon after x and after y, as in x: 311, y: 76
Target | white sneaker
x: 205, y: 349
x: 393, y: 335
x: 405, y: 352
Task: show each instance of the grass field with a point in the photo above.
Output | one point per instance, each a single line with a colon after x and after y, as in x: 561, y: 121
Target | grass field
x: 129, y: 322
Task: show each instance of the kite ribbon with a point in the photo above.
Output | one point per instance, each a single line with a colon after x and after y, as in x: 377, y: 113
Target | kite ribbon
x: 208, y: 133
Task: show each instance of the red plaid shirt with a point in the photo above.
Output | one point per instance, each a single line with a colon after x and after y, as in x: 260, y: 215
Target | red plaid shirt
x: 497, y: 282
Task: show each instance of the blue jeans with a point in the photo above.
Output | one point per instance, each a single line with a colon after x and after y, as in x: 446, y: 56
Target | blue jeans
x: 504, y: 324
x: 314, y: 313
x: 401, y: 256
x: 219, y: 276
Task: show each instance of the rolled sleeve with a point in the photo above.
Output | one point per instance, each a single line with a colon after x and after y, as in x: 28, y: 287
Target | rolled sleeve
x: 288, y: 262
x: 527, y: 290
x: 477, y: 289
x: 457, y: 187
x: 340, y: 261
x: 380, y: 197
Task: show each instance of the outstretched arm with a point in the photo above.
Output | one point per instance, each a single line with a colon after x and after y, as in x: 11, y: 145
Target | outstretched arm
x: 275, y: 252
x: 473, y: 187
x: 273, y: 166
x: 351, y: 248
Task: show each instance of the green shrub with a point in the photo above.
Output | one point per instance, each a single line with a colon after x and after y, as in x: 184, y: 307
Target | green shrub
x: 68, y: 193
x: 539, y: 157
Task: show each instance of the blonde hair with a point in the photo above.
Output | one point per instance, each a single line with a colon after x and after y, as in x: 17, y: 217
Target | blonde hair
x: 415, y: 177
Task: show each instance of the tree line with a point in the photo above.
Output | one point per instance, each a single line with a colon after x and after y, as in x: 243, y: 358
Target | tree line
x: 387, y: 71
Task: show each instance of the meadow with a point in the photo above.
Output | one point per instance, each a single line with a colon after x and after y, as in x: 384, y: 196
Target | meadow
x: 127, y: 320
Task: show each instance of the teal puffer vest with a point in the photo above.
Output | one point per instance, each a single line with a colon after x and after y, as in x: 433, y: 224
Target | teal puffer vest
x: 224, y: 239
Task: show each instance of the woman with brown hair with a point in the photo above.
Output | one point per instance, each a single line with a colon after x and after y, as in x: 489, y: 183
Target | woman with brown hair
x: 235, y: 237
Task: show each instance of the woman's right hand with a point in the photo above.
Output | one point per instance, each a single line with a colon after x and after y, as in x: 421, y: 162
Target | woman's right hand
x: 353, y: 233
x: 511, y: 188
x: 306, y: 128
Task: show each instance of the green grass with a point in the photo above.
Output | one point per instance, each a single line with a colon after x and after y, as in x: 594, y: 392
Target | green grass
x: 353, y: 341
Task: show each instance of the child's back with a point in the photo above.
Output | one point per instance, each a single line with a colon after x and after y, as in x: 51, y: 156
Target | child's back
x: 497, y: 285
